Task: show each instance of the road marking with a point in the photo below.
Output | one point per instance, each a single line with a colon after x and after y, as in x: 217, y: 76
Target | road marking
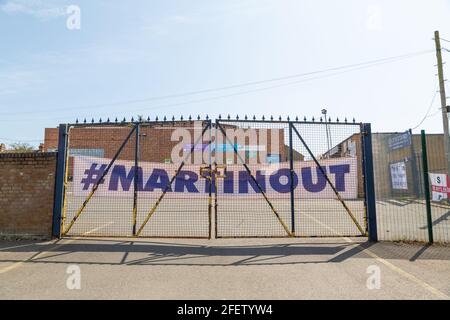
x: 391, y: 266
x: 411, y: 277
x: 18, y: 264
x: 37, y: 254
x: 23, y: 245
x: 96, y: 229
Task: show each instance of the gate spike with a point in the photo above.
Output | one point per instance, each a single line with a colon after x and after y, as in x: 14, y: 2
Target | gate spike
x: 329, y: 119
x: 345, y: 120
x: 288, y: 118
x: 173, y: 118
x: 304, y: 118
x: 220, y: 117
x: 229, y: 117
x: 237, y: 117
x: 76, y: 121
x: 198, y: 117
x: 314, y: 119
x: 165, y: 118
x: 354, y: 121
x: 296, y: 118
x: 181, y: 118
x: 190, y: 118
x: 116, y: 120
x: 100, y: 121
x: 148, y: 119
x: 279, y: 118
x: 245, y: 117
x: 84, y: 120
x: 321, y: 119
x: 107, y: 120
x: 263, y: 118
x: 271, y: 118
x: 337, y: 119
x: 207, y: 117
x: 156, y: 119
x: 254, y: 118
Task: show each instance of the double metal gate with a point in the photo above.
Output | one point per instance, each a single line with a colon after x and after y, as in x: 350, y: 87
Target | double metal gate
x: 204, y: 179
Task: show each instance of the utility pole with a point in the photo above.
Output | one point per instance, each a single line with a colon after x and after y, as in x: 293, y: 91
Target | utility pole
x: 437, y: 40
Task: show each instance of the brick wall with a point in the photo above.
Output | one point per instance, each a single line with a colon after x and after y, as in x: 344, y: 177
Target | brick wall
x: 343, y: 150
x: 155, y: 141
x: 26, y: 194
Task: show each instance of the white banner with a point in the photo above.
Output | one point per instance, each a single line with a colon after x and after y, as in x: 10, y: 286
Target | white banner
x: 398, y: 176
x: 274, y: 179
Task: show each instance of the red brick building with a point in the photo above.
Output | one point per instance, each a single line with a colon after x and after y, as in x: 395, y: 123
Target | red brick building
x: 156, y: 145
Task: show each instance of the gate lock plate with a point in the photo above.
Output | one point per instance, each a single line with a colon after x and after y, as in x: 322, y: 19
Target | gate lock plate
x: 219, y: 172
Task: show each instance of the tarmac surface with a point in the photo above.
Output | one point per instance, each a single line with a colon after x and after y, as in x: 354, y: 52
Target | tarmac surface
x: 316, y: 268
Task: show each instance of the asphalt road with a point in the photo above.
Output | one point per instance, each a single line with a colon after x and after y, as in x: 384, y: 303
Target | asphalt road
x: 222, y: 269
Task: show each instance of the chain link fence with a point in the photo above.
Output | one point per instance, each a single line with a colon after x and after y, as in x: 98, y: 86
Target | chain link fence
x: 253, y: 178
x: 401, y: 203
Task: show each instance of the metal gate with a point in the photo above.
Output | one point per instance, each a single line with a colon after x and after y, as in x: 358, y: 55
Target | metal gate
x: 294, y: 178
x: 204, y: 179
x: 120, y: 180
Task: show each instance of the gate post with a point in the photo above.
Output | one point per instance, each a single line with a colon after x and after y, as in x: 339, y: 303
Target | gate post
x: 136, y: 177
x: 426, y: 186
x: 415, y: 170
x: 291, y: 169
x: 369, y: 186
x: 61, y: 164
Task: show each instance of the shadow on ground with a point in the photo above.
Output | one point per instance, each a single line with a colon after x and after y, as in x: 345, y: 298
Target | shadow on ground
x: 130, y: 252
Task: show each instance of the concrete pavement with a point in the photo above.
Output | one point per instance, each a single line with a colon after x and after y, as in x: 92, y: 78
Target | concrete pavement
x: 333, y: 268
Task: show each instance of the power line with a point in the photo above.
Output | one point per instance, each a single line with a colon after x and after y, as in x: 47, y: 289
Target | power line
x: 442, y: 39
x: 246, y: 84
x: 427, y: 115
x: 252, y: 90
x: 435, y: 113
x: 261, y: 89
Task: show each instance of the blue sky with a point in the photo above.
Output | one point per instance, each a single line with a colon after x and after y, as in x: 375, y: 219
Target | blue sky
x: 128, y: 52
